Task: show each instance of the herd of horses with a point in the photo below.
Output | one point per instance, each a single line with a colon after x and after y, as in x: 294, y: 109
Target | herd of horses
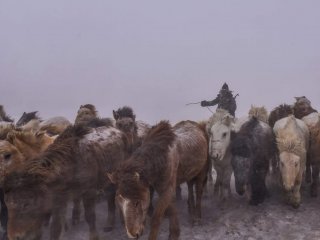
x: 44, y: 165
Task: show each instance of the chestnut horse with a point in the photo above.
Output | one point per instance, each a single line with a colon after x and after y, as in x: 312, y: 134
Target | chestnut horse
x: 18, y: 147
x: 74, y: 165
x: 166, y: 157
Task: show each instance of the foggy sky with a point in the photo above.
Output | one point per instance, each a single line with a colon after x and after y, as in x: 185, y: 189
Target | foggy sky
x: 156, y: 56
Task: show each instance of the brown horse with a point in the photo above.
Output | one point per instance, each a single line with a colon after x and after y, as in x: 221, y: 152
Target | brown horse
x: 3, y: 116
x: 74, y: 165
x: 302, y: 107
x: 88, y: 116
x: 279, y: 112
x: 126, y: 122
x: 19, y: 147
x: 154, y: 164
x: 166, y: 157
x: 314, y: 157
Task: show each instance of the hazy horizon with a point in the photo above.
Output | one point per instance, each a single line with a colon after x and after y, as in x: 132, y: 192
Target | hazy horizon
x: 156, y: 56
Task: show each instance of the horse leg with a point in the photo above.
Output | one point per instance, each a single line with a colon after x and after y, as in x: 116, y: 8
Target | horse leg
x: 296, y: 196
x: 89, y: 203
x: 178, y: 193
x: 258, y: 187
x: 150, y: 210
x: 3, y: 215
x: 58, y: 215
x: 218, y: 184
x: 111, y: 210
x: 225, y: 189
x: 308, y: 169
x: 200, y: 185
x: 191, y: 203
x: 76, y: 211
x: 315, y: 180
x: 164, y: 200
x: 174, y: 230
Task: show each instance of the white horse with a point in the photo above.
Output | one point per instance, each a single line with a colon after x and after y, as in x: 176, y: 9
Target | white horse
x: 293, y: 141
x: 219, y: 128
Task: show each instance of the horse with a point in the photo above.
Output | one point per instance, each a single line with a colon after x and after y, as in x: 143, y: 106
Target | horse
x: 219, y: 128
x: 155, y: 164
x: 314, y: 157
x: 302, y: 107
x: 167, y: 157
x: 303, y: 110
x: 252, y: 148
x: 18, y: 147
x: 53, y: 126
x: 126, y: 122
x: 4, y: 117
x: 73, y: 165
x: 27, y: 117
x: 282, y: 111
x: 192, y: 146
x: 292, y: 137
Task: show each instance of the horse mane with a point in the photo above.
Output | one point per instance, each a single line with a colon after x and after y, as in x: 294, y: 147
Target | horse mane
x: 20, y: 180
x: 149, y: 161
x: 89, y: 106
x: 260, y: 113
x: 287, y: 140
x: 27, y: 117
x: 4, y: 116
x: 124, y: 112
x: 5, y: 129
x: 302, y: 112
x: 58, y: 155
x: 242, y: 141
x: 27, y: 137
x: 221, y: 115
x: 282, y: 111
x: 100, y: 122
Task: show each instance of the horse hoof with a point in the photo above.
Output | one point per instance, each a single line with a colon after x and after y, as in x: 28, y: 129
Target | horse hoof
x: 108, y: 229
x: 75, y: 221
x: 4, y: 236
x: 295, y: 205
x: 313, y: 192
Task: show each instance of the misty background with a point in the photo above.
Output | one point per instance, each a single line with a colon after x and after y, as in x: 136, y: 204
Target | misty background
x: 156, y: 56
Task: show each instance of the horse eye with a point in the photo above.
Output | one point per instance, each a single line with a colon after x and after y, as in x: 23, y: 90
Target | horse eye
x: 224, y: 135
x: 136, y: 204
x: 7, y: 156
x: 296, y: 164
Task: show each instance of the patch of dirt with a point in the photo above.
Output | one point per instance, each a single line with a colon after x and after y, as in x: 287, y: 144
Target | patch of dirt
x: 233, y: 219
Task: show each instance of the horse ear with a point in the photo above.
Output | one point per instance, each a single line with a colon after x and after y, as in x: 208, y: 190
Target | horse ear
x: 137, y: 176
x: 227, y: 120
x: 10, y: 137
x: 115, y: 115
x: 112, y: 177
x: 134, y: 117
x: 40, y: 133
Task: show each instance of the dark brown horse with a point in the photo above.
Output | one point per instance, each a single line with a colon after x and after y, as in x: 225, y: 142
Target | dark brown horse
x: 74, y: 165
x: 166, y: 157
x: 302, y: 107
x: 3, y: 116
x: 154, y: 164
x: 126, y: 122
x: 282, y: 111
x: 314, y: 157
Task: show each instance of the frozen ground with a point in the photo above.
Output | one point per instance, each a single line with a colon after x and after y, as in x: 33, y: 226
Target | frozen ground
x: 231, y: 220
